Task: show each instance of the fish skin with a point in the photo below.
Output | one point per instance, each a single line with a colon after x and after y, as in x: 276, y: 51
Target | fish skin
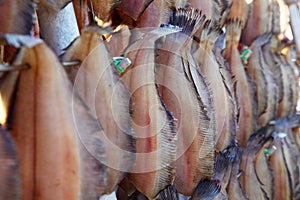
x: 133, y: 9
x: 154, y: 126
x: 261, y: 17
x: 33, y: 138
x: 239, y: 10
x: 222, y: 171
x: 81, y: 12
x: 42, y: 117
x: 18, y: 15
x: 176, y: 69
x: 291, y: 153
x: 250, y: 181
x: 254, y: 68
x: 282, y: 185
x: 266, y: 88
x: 234, y: 189
x: 245, y: 89
x: 264, y: 173
x: 206, y: 190
x: 274, y: 68
x: 10, y: 182
x: 104, y: 93
x: 210, y: 69
x: 157, y: 13
x: 286, y: 104
x: 119, y: 41
x: 293, y: 77
x: 103, y: 8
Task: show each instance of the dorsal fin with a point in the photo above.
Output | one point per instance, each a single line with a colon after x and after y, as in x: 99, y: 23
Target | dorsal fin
x: 189, y: 20
x: 209, y: 35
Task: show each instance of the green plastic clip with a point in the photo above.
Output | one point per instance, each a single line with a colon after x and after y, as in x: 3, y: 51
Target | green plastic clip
x: 118, y: 67
x: 267, y: 152
x: 246, y: 54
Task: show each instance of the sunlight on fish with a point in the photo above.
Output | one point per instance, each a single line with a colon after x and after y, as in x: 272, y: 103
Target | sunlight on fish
x: 3, y: 114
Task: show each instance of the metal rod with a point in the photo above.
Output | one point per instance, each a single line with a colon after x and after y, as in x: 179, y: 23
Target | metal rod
x: 8, y: 68
x: 70, y: 63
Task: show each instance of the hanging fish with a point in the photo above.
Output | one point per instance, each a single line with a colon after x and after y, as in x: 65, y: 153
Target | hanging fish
x: 245, y: 88
x: 10, y: 182
x: 257, y: 178
x: 98, y: 83
x: 222, y: 96
x: 54, y: 161
x: 186, y: 94
x: 260, y: 17
x: 154, y: 126
x: 272, y: 61
x: 286, y: 105
x: 266, y: 87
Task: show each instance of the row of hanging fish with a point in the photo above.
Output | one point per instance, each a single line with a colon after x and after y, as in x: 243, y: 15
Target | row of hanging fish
x: 153, y: 99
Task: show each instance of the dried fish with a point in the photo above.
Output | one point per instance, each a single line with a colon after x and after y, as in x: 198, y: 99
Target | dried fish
x: 182, y: 87
x: 286, y: 105
x: 42, y: 117
x: 105, y: 94
x: 245, y: 89
x: 256, y: 179
x: 222, y: 96
x: 291, y: 153
x: 266, y: 88
x: 261, y: 17
x: 154, y: 126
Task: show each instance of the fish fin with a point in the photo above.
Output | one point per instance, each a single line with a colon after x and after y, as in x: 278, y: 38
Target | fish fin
x: 167, y: 152
x: 209, y: 35
x: 169, y: 193
x: 206, y: 189
x: 233, y: 30
x: 221, y: 11
x: 189, y: 20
